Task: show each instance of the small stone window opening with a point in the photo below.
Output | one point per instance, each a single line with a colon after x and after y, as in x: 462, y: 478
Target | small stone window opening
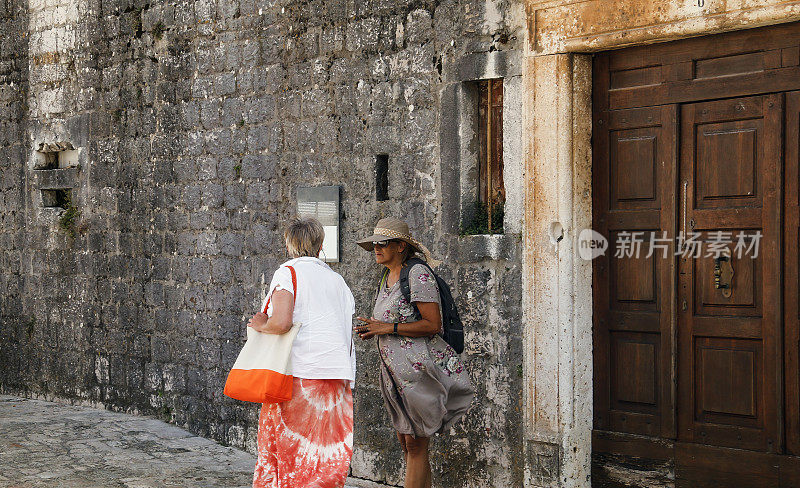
x: 55, y: 155
x: 382, y: 177
x: 61, y: 198
x: 46, y: 160
x: 488, y: 213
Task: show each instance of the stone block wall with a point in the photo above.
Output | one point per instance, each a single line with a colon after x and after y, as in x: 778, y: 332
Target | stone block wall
x: 16, y: 332
x: 195, y: 122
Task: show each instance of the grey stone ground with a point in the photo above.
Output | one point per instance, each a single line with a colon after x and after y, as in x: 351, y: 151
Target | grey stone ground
x: 65, y: 446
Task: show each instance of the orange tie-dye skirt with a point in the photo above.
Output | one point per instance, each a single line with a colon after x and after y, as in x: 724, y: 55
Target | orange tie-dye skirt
x: 306, y: 442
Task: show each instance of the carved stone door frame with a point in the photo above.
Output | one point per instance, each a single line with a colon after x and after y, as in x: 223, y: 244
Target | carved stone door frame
x: 557, y: 285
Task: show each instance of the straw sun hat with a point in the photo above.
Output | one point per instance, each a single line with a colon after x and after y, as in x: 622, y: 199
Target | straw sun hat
x: 392, y: 228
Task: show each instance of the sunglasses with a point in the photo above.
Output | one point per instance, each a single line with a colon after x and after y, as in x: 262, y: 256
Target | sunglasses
x: 381, y: 244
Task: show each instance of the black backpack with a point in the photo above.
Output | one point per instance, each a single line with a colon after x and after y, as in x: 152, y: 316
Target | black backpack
x: 451, y: 322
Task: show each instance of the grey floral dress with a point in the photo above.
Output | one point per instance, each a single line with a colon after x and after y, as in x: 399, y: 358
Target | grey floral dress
x: 424, y: 385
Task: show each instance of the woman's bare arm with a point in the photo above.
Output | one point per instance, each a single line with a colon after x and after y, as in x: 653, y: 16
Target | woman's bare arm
x: 429, y: 325
x: 281, y: 320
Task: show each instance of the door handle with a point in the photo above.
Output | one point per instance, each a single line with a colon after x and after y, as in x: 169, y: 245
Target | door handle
x: 685, y: 201
x: 723, y: 275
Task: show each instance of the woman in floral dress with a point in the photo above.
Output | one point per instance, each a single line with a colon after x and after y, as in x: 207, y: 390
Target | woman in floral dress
x: 423, y: 382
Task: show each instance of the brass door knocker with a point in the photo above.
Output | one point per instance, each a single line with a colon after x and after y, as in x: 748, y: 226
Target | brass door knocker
x: 723, y: 275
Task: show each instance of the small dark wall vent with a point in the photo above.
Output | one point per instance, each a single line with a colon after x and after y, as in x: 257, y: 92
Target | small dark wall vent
x: 382, y: 177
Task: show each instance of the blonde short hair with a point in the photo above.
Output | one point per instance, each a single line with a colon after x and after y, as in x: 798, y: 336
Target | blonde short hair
x: 304, y: 237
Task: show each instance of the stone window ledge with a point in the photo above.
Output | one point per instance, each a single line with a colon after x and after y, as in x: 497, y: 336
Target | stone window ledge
x: 56, y: 178
x: 496, y: 247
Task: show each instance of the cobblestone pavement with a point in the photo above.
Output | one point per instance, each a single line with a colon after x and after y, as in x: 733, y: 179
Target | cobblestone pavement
x: 64, y: 446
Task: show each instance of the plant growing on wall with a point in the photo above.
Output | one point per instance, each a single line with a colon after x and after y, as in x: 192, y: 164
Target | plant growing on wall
x: 68, y: 220
x: 158, y: 30
x: 477, y: 221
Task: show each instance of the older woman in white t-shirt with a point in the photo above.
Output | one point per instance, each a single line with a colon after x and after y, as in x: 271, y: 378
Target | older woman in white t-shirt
x: 308, y: 440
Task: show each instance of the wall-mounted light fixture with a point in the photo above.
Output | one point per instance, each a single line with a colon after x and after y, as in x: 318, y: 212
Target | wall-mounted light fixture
x: 322, y: 203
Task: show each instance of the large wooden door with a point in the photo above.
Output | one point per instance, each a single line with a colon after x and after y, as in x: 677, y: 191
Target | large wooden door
x: 729, y: 333
x: 697, y: 345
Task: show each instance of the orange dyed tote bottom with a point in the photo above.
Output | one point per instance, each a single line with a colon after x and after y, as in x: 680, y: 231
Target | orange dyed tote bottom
x: 306, y: 442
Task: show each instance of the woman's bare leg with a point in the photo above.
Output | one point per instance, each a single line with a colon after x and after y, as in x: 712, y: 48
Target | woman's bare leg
x: 418, y: 468
x: 428, y: 481
x: 402, y: 439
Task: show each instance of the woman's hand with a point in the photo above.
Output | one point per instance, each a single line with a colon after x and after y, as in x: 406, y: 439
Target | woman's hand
x: 281, y: 320
x: 372, y: 327
x: 259, y: 322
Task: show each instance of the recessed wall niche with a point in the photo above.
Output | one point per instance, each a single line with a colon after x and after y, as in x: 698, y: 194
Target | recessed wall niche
x: 464, y: 138
x: 55, y: 175
x: 55, y: 155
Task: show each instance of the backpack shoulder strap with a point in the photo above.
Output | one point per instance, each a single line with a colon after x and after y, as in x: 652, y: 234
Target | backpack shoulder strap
x: 380, y: 284
x: 405, y: 287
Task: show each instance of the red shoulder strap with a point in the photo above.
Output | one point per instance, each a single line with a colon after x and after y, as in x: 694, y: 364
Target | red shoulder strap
x: 294, y: 283
x: 294, y: 286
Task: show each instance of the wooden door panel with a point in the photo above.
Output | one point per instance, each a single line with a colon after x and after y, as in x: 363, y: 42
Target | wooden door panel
x: 634, y: 174
x: 635, y: 381
x: 727, y: 173
x: 633, y: 166
x: 744, y: 328
x: 746, y: 285
x: 635, y: 360
x: 729, y: 374
x: 792, y: 277
x: 736, y: 64
x: 717, y: 218
x: 731, y: 370
x: 634, y: 322
x: 728, y: 341
x: 634, y: 280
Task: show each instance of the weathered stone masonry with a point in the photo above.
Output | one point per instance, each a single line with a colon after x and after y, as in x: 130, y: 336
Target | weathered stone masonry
x: 195, y: 122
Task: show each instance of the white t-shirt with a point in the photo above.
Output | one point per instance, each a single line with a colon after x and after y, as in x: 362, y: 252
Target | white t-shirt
x: 324, y: 308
